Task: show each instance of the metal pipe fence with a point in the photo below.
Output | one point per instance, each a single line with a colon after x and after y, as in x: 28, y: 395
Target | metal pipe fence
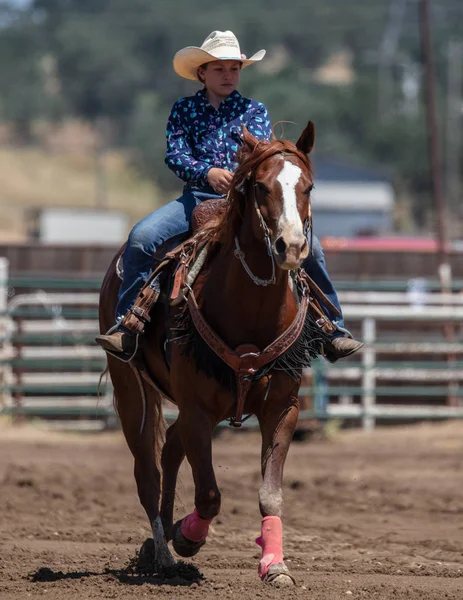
x: 50, y: 366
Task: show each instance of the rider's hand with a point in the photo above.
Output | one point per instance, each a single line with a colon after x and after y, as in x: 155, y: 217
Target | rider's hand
x: 219, y: 180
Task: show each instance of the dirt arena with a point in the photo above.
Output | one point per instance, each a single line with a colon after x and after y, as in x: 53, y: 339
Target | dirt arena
x: 366, y: 516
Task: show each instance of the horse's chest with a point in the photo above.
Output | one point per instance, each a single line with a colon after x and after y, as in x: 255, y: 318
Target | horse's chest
x: 241, y: 322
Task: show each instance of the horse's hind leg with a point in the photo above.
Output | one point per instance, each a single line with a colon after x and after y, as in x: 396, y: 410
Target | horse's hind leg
x: 277, y: 423
x: 142, y: 443
x: 171, y: 459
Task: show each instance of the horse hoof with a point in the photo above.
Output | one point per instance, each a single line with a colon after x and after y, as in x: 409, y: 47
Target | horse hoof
x: 151, y: 560
x: 283, y: 581
x: 279, y: 576
x: 183, y: 546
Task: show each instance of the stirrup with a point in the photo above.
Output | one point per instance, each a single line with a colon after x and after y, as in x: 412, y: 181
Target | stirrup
x: 122, y: 356
x: 125, y: 358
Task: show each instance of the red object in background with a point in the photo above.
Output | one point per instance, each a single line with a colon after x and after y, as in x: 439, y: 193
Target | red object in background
x: 381, y: 244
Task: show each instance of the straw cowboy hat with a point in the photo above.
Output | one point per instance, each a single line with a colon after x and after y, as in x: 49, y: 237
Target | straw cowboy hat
x: 219, y: 45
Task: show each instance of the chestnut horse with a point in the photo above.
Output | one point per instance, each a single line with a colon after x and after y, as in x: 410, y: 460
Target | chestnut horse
x: 247, y: 293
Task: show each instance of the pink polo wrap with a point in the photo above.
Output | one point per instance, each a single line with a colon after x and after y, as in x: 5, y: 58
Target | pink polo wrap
x: 271, y: 542
x: 194, y: 528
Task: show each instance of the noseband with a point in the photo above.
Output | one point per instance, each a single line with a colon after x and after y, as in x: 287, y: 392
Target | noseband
x: 263, y: 225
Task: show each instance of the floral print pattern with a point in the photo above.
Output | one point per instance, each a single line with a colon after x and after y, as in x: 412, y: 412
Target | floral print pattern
x: 200, y: 136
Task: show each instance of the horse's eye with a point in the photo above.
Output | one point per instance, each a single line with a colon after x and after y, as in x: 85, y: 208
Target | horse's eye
x: 308, y: 190
x: 261, y: 187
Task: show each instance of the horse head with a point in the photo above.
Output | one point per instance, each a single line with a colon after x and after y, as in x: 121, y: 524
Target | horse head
x: 273, y: 181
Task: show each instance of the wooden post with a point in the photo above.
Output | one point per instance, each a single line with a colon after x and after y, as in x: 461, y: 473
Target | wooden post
x: 444, y: 268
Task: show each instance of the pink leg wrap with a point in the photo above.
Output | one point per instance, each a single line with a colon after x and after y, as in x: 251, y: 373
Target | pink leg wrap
x: 271, y: 542
x: 194, y: 528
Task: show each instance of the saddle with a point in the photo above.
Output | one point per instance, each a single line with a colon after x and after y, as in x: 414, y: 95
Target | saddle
x: 184, y: 262
x: 206, y: 212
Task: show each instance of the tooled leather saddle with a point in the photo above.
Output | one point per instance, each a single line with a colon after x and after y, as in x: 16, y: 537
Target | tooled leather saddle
x: 206, y: 212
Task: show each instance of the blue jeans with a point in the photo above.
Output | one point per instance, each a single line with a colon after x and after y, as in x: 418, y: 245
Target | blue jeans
x: 315, y: 267
x: 173, y: 220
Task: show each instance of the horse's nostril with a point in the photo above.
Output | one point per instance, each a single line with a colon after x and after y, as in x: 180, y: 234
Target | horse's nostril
x: 280, y: 245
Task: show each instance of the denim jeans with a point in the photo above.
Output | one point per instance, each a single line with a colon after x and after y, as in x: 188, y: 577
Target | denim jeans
x: 315, y: 266
x: 173, y: 220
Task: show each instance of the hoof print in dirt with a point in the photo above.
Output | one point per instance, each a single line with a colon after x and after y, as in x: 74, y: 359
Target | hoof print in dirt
x: 145, y: 564
x: 183, y: 572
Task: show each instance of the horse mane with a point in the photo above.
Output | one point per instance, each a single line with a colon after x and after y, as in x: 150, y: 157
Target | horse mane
x: 227, y: 226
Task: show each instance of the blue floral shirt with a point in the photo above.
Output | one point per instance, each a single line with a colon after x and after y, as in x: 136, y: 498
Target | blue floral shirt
x: 200, y: 136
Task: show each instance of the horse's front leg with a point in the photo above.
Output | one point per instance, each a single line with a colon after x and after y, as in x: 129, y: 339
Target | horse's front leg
x: 196, y: 428
x: 277, y: 422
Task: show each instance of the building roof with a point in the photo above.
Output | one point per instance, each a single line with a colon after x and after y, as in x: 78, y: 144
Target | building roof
x: 352, y: 196
x: 335, y: 169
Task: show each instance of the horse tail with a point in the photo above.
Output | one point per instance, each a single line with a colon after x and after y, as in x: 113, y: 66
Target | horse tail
x: 103, y: 376
x: 160, y: 428
x: 152, y: 416
x: 102, y: 383
x: 153, y: 395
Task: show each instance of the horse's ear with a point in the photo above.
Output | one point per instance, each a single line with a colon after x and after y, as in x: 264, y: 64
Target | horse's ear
x: 248, y: 139
x: 306, y: 142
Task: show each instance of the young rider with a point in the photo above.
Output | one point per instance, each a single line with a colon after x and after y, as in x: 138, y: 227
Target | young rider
x: 203, y: 137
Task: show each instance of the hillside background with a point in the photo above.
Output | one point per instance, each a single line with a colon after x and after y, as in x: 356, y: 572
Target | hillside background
x: 86, y: 87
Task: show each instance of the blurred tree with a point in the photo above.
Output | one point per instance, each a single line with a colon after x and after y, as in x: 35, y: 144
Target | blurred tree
x: 95, y: 57
x: 112, y: 59
x: 24, y: 95
x: 146, y: 136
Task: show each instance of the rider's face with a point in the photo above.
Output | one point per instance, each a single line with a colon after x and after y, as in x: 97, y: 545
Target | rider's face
x: 221, y: 77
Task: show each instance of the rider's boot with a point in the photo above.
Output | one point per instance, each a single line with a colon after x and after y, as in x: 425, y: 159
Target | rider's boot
x: 339, y: 342
x: 120, y: 341
x: 340, y: 347
x: 124, y: 339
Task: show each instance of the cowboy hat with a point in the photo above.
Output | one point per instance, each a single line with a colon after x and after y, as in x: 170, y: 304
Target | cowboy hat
x: 219, y: 45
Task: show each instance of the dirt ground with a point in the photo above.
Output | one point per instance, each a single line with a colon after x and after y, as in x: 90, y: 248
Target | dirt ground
x: 366, y: 516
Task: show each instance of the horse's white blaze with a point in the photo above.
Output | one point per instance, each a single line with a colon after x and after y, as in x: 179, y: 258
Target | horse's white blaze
x: 290, y: 220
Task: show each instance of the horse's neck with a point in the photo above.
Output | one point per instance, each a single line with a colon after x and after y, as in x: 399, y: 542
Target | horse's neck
x: 241, y: 311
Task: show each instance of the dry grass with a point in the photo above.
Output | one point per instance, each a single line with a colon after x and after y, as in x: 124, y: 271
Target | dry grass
x: 32, y: 178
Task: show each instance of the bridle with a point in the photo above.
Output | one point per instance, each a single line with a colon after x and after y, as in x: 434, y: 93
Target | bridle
x: 263, y: 225
x: 241, y: 255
